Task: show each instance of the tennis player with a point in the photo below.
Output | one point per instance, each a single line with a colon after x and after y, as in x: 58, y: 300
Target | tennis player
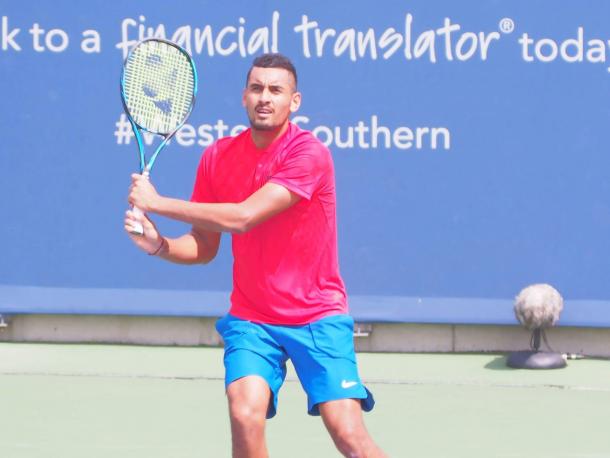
x: 273, y: 188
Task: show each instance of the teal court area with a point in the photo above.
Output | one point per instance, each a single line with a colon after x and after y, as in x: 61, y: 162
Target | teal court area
x: 68, y: 401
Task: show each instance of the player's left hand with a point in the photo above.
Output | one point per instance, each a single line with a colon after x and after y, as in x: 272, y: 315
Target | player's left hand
x: 142, y: 193
x: 151, y: 240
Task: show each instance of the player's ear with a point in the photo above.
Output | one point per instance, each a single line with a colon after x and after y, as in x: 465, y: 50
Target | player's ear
x: 243, y: 98
x: 295, y: 103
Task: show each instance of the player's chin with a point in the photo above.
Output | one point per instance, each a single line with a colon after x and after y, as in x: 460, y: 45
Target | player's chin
x: 263, y: 125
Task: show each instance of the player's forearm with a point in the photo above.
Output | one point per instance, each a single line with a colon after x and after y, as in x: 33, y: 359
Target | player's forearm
x: 216, y: 217
x: 186, y: 250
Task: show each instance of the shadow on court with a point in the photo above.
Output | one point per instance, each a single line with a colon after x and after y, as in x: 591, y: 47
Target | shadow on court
x: 498, y: 364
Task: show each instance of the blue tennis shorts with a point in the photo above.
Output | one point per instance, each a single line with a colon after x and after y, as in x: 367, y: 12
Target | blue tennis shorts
x: 322, y: 353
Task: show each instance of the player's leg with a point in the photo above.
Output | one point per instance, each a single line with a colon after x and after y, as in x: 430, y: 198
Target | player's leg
x: 325, y: 361
x: 255, y: 368
x: 248, y: 404
x: 343, y: 420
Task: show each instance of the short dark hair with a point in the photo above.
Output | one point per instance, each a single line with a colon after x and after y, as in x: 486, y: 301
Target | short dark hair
x: 273, y: 60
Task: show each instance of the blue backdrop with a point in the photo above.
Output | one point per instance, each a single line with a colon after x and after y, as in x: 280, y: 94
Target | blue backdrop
x: 470, y: 138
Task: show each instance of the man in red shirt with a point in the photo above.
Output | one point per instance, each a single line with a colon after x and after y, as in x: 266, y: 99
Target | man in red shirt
x: 273, y: 188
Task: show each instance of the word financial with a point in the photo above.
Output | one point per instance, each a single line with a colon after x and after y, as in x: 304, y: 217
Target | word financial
x: 446, y: 41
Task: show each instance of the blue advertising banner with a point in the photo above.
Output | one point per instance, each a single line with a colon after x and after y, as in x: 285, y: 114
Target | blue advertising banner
x: 470, y: 139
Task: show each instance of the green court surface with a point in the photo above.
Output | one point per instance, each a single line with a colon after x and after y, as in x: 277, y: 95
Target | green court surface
x: 89, y: 401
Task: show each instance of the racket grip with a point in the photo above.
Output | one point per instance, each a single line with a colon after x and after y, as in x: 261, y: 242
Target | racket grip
x: 137, y: 228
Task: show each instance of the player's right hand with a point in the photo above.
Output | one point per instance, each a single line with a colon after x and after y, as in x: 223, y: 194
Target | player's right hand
x: 151, y: 241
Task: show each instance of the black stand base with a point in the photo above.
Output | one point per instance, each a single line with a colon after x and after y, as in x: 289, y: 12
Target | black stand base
x: 535, y: 360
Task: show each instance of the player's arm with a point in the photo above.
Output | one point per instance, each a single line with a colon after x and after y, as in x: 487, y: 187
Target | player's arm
x: 268, y: 201
x: 240, y: 217
x: 197, y: 247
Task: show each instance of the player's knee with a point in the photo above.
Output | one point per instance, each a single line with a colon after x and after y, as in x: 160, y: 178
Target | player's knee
x: 247, y: 416
x: 350, y: 440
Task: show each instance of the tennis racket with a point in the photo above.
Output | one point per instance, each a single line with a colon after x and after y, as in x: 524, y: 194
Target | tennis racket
x: 158, y: 89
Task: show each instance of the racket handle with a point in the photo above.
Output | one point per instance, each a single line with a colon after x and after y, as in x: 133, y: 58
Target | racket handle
x: 137, y: 228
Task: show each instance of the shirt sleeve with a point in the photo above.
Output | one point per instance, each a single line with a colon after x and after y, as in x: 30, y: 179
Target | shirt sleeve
x: 202, y: 189
x: 304, y: 169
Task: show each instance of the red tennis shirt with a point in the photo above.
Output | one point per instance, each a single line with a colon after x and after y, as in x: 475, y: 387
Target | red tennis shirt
x: 285, y: 270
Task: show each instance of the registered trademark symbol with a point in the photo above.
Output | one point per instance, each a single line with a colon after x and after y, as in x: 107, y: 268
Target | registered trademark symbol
x: 507, y: 25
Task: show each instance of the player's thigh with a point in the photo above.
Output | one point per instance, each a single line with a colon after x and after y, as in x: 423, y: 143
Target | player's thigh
x: 250, y: 351
x: 344, y: 421
x: 343, y: 417
x: 249, y: 398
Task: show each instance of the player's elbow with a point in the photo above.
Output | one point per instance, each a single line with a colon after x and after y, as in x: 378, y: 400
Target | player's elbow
x: 205, y: 259
x: 206, y: 256
x: 240, y: 227
x: 244, y: 220
x: 206, y: 245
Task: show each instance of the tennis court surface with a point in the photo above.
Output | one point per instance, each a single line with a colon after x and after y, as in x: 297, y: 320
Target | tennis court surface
x: 67, y: 401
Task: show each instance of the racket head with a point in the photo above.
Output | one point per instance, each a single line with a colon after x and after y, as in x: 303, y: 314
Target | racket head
x: 158, y: 86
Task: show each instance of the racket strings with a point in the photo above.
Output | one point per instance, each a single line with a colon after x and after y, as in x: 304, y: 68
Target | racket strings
x: 159, y: 85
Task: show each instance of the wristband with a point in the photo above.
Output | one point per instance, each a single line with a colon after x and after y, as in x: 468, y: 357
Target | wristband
x: 156, y: 252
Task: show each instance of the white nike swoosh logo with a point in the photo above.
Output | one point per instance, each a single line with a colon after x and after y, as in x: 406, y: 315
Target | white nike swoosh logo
x: 345, y: 384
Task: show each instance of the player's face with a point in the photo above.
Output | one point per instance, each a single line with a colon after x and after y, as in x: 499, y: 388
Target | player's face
x: 270, y: 97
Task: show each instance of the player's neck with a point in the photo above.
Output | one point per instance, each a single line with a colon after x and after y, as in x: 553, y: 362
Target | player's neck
x: 264, y: 138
